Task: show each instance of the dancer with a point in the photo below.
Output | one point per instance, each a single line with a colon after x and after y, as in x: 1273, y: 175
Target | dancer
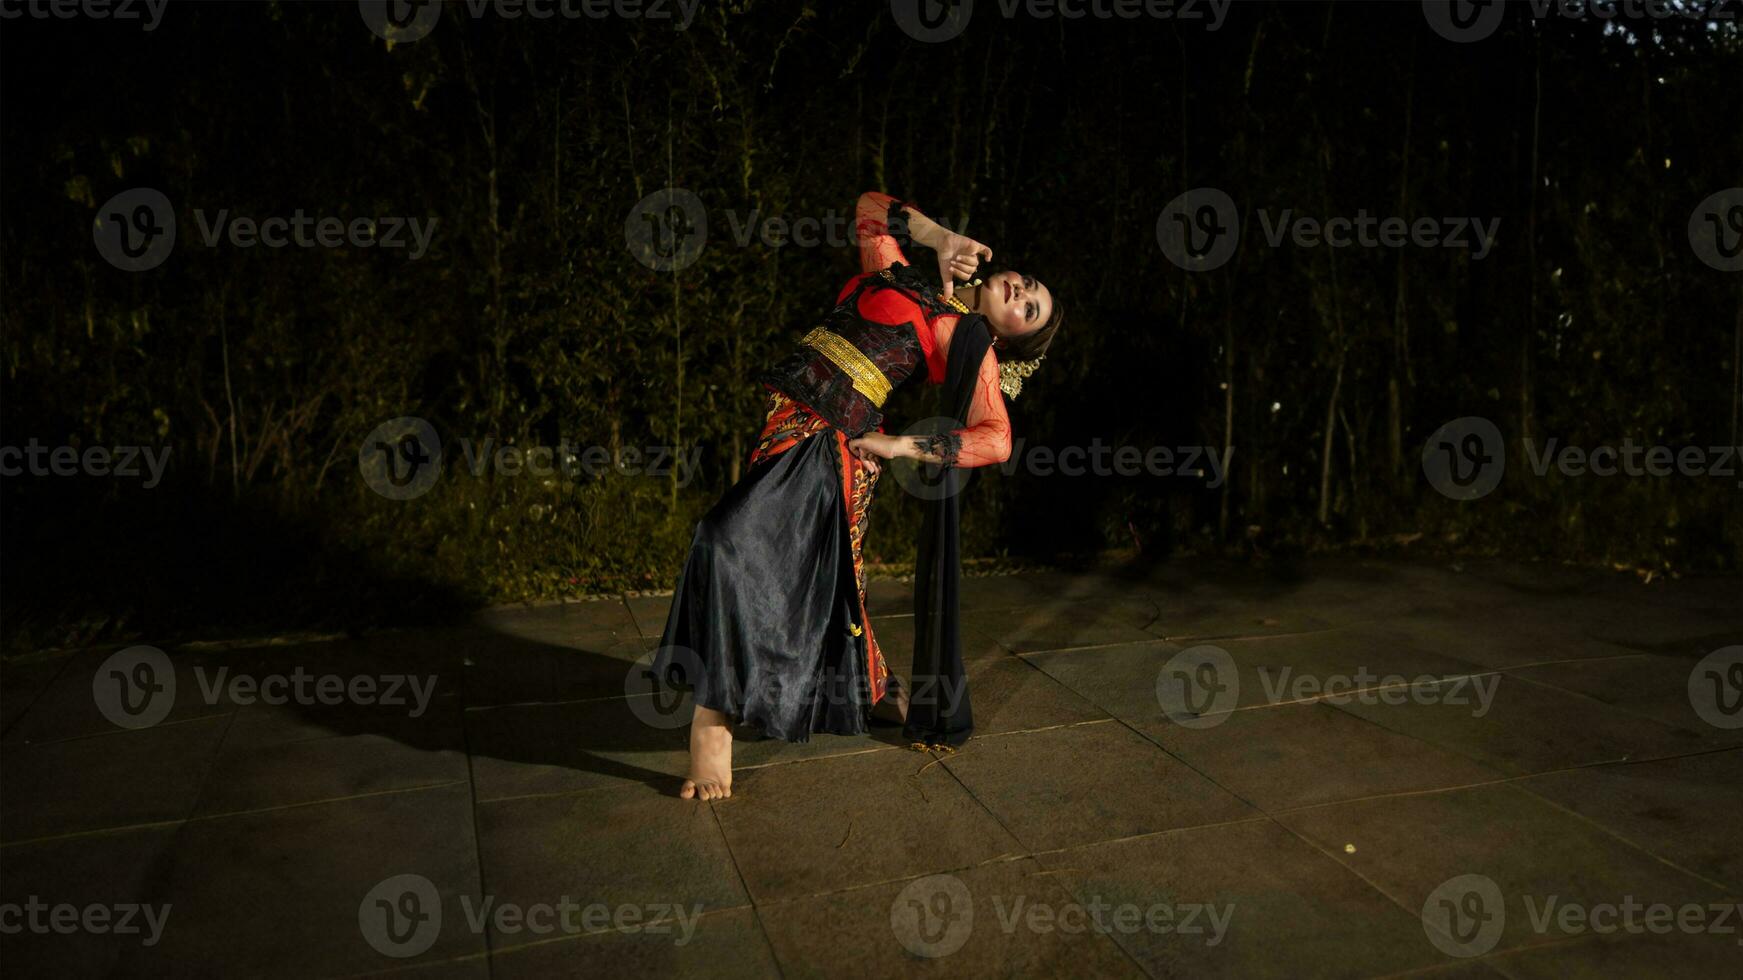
x: 767, y: 625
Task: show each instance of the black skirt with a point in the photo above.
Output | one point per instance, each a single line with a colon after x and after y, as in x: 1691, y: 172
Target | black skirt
x: 767, y: 622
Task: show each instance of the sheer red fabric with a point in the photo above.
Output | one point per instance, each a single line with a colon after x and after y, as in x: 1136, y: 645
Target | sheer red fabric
x: 987, y: 437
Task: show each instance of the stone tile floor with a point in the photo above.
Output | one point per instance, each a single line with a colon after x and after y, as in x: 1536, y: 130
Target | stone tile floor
x: 1354, y: 768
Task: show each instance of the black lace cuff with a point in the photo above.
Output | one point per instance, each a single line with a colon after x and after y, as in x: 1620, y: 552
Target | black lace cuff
x: 896, y: 223
x: 945, y: 445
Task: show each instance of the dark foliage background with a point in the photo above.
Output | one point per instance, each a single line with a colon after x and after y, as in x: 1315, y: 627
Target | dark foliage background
x: 1057, y: 142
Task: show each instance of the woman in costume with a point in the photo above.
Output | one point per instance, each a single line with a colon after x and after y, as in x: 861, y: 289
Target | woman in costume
x: 767, y: 625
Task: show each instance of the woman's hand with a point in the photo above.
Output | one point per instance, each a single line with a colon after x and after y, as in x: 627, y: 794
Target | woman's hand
x: 958, y: 255
x: 875, y: 444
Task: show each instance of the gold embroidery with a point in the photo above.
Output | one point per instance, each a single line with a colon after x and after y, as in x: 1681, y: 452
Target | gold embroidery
x: 867, y: 379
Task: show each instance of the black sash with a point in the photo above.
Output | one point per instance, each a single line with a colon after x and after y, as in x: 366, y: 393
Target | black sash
x: 938, y: 706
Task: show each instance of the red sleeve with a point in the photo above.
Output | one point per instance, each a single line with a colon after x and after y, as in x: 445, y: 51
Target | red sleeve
x: 878, y: 248
x: 987, y: 439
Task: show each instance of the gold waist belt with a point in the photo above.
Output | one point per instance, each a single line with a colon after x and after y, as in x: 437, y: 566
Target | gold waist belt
x: 867, y: 379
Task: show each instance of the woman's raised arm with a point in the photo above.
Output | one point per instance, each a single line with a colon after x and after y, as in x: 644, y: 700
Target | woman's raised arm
x: 878, y: 246
x: 878, y: 227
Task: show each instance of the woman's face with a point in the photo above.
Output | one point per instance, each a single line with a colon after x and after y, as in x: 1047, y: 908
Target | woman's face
x: 1014, y: 304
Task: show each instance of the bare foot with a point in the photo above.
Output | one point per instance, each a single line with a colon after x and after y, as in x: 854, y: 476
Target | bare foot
x: 710, y: 756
